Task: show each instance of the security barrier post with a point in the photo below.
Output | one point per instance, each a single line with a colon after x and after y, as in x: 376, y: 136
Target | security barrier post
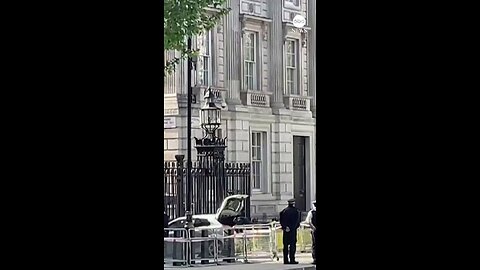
x: 204, y: 248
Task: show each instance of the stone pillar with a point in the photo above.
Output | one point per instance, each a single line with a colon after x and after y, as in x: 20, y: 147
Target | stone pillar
x: 312, y: 55
x: 276, y: 60
x: 232, y: 55
x: 282, y: 169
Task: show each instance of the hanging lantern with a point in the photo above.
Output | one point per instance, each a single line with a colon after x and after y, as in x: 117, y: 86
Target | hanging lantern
x: 210, y: 113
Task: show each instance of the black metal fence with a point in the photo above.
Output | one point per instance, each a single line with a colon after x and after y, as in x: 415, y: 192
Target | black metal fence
x: 211, y: 185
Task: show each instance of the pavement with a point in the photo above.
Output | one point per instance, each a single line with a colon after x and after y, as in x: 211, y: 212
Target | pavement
x: 304, y: 259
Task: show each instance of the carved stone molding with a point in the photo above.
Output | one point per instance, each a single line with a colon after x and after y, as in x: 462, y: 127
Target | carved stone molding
x: 265, y: 31
x: 304, y: 39
x: 251, y: 7
x: 243, y: 25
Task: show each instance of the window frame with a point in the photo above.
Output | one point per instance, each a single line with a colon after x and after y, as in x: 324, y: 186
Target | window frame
x: 257, y: 74
x: 254, y: 62
x: 296, y: 69
x: 209, y: 55
x: 207, y: 52
x: 266, y: 150
x: 257, y: 145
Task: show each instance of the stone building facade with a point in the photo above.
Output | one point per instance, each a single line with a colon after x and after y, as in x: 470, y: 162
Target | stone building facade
x: 265, y: 69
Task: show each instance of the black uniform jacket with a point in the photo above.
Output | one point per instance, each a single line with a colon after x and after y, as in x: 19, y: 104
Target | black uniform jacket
x: 290, y: 217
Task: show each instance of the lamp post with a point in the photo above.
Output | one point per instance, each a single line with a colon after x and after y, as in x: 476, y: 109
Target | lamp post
x: 188, y: 202
x: 211, y: 148
x: 208, y: 153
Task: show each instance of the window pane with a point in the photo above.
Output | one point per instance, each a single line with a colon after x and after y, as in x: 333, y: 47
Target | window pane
x: 291, y: 70
x: 258, y: 148
x: 249, y: 58
x: 257, y: 174
x: 206, y: 81
x: 206, y: 70
x: 207, y: 43
x: 248, y: 41
x: 205, y: 62
x: 290, y: 46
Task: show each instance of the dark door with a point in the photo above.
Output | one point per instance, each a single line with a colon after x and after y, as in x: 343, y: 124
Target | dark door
x: 299, y: 173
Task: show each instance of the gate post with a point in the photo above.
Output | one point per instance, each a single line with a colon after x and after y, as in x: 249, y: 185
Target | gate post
x: 180, y: 186
x: 178, y: 248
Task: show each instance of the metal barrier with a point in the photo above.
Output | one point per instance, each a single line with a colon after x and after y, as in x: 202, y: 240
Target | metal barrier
x: 256, y: 241
x: 184, y: 247
x: 179, y: 239
x: 304, y: 237
x: 226, y: 246
x: 244, y: 242
x: 203, y: 245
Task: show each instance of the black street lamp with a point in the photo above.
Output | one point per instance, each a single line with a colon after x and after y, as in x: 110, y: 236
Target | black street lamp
x: 210, y: 114
x: 211, y: 148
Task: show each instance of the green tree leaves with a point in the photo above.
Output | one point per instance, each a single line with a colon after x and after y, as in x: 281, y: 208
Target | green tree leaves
x: 187, y: 18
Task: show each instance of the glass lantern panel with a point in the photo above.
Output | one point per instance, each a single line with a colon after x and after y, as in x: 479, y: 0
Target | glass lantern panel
x: 203, y: 117
x: 219, y: 115
x: 212, y: 116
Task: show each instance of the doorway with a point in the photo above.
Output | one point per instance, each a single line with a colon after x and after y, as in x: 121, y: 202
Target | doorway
x: 300, y: 172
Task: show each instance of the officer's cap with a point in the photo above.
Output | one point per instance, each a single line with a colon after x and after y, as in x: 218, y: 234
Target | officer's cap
x: 314, y: 202
x: 291, y: 201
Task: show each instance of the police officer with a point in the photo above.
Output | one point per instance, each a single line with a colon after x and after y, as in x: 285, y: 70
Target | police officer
x: 312, y: 221
x: 290, y: 221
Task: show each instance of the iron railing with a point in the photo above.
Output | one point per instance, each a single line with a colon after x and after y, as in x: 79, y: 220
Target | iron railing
x: 212, y: 183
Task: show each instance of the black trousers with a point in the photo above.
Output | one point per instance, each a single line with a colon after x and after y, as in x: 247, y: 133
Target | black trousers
x: 314, y: 246
x: 289, y: 245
